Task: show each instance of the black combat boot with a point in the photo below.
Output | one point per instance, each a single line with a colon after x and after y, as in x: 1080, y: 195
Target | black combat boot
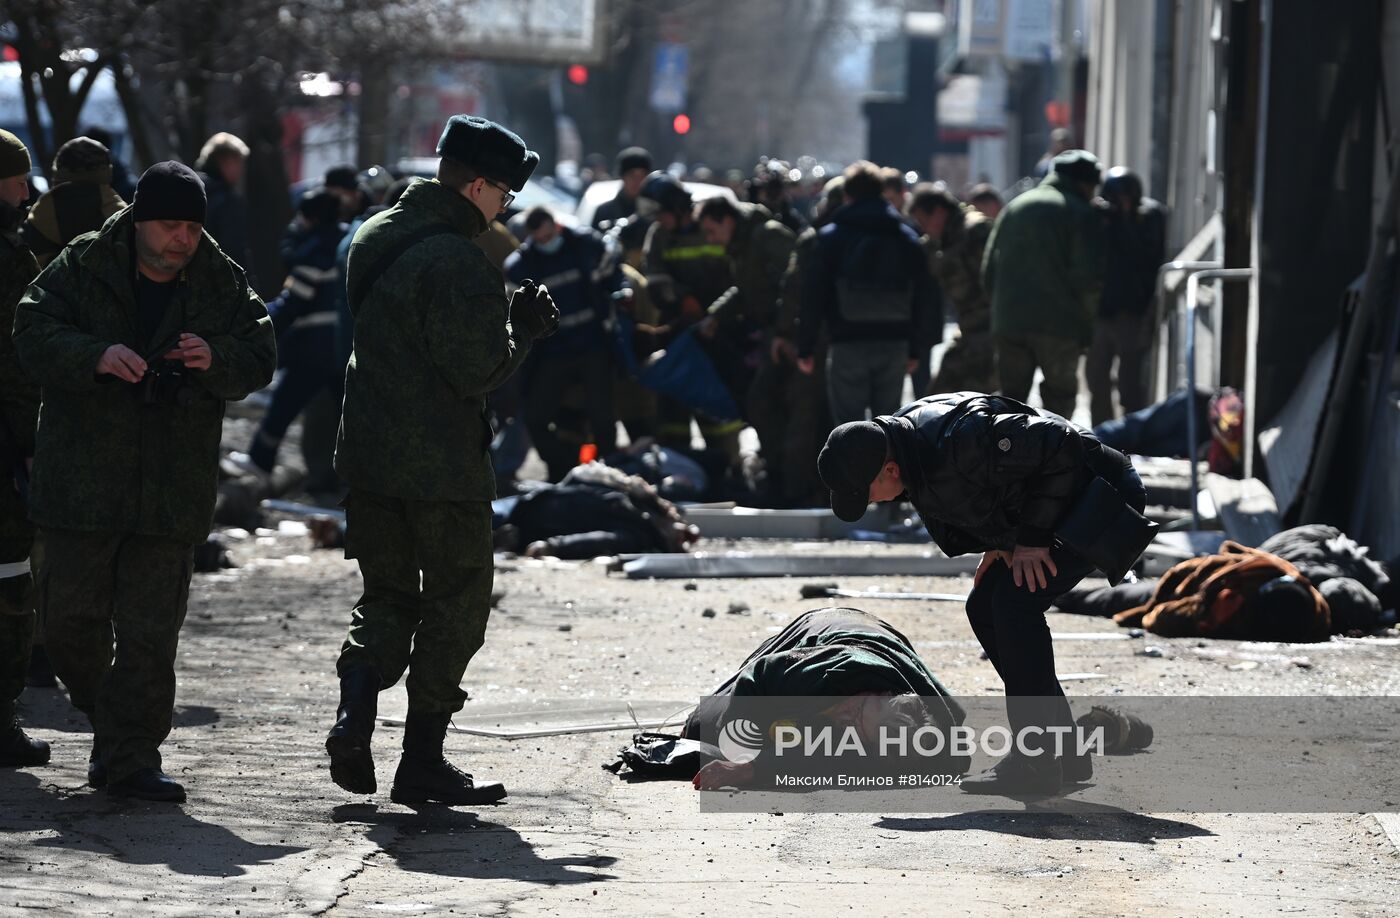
x: 17, y: 748
x: 148, y: 784
x: 97, y: 769
x: 424, y: 776
x: 40, y: 673
x: 1018, y: 776
x: 352, y: 766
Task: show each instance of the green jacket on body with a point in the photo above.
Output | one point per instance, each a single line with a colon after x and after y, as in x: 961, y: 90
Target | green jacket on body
x: 1044, y: 265
x: 103, y: 460
x: 432, y: 338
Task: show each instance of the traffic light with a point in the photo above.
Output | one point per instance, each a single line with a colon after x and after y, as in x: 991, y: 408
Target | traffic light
x: 681, y: 123
x: 578, y: 74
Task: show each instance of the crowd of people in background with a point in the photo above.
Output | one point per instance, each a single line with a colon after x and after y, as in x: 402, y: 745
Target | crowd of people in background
x: 782, y: 300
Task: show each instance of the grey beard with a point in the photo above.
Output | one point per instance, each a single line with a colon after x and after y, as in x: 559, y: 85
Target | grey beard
x: 156, y: 262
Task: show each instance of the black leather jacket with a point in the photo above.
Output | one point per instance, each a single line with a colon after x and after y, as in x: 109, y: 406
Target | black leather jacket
x: 989, y: 472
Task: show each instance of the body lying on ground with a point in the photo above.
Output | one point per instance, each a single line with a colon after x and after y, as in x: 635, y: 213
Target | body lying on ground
x: 595, y: 511
x: 1301, y: 585
x: 1161, y: 429
x: 849, y: 667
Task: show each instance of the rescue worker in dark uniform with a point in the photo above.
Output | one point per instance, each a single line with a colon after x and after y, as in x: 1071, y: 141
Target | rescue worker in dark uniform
x: 305, y: 316
x: 581, y: 278
x: 434, y: 334
x: 685, y: 274
x: 759, y: 249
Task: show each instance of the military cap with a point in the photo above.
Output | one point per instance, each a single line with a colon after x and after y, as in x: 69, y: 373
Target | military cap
x: 633, y: 158
x: 82, y: 157
x: 490, y: 149
x: 14, y: 156
x: 169, y: 191
x: 1077, y: 166
x: 342, y: 177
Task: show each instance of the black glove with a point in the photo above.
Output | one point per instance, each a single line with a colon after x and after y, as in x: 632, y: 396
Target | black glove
x: 532, y: 311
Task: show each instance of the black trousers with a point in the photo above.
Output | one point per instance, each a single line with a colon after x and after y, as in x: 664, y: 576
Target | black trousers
x: 550, y: 379
x: 1009, y: 622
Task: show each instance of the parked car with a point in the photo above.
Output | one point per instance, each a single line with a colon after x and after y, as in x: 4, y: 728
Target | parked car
x: 599, y: 192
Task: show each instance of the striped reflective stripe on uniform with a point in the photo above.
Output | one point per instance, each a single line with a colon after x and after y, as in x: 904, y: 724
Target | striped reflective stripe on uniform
x: 303, y: 279
x: 575, y: 319
x: 299, y: 288
x: 692, y: 252
x: 316, y: 319
x: 316, y: 275
x: 563, y: 278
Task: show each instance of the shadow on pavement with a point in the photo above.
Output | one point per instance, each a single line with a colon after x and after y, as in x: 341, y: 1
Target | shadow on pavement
x: 128, y: 831
x: 49, y: 709
x: 455, y: 843
x: 1077, y: 822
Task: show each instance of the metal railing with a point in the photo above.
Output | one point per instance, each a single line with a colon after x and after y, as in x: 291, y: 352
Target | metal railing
x: 1193, y: 286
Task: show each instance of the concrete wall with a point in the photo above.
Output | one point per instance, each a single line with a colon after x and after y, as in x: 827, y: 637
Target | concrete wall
x: 1118, y: 123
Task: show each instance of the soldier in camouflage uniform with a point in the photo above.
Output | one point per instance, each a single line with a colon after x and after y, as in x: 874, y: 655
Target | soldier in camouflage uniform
x: 136, y: 335
x: 80, y: 199
x: 19, y: 410
x: 803, y: 403
x: 434, y: 334
x: 955, y: 237
x: 759, y: 249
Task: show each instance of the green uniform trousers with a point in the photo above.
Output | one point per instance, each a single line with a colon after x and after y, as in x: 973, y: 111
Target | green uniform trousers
x: 16, y: 635
x: 788, y: 410
x: 1058, y: 359
x: 427, y: 569
x: 969, y: 364
x: 112, y: 605
x: 16, y: 608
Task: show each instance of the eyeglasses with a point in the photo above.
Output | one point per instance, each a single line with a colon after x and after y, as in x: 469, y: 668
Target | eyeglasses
x: 506, y: 194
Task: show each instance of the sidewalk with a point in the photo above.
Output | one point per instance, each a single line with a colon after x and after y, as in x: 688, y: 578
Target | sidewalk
x: 265, y: 832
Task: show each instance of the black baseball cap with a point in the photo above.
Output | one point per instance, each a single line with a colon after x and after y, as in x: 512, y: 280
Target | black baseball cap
x: 850, y: 461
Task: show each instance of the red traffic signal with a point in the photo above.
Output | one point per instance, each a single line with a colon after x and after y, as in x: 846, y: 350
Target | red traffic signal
x: 681, y: 123
x: 578, y: 74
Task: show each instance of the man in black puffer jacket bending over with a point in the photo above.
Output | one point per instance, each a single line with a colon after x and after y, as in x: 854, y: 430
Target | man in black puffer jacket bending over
x: 1045, y: 502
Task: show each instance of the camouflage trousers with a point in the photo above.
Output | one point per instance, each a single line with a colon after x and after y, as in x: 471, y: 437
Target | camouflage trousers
x: 112, y: 605
x: 1058, y: 359
x: 16, y: 609
x: 968, y: 365
x: 789, y: 412
x: 16, y: 635
x: 427, y: 569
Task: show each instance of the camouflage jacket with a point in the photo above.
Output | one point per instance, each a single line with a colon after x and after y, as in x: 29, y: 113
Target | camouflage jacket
x: 432, y: 337
x: 790, y: 307
x: 65, y: 212
x: 104, y: 461
x: 758, y: 257
x: 956, y: 262
x: 19, y: 397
